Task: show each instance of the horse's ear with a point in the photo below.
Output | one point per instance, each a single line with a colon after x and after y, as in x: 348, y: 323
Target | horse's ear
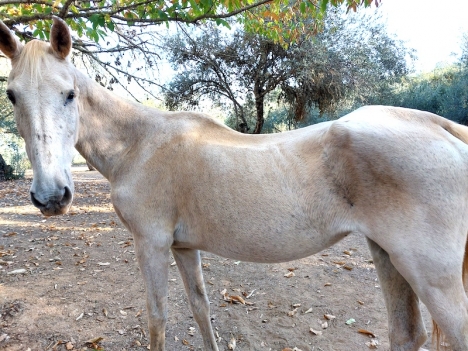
x: 9, y: 45
x: 60, y: 38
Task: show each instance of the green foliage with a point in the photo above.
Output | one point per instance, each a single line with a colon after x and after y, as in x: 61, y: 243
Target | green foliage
x: 443, y: 91
x: 94, y: 20
x: 7, y: 121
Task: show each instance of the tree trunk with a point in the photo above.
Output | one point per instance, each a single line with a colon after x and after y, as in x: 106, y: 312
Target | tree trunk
x: 6, y: 171
x: 259, y: 100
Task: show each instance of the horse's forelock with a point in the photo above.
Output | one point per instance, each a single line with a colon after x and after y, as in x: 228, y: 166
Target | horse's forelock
x: 30, y: 60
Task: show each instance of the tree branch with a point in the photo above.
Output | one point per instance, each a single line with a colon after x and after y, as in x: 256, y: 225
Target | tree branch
x: 114, y: 13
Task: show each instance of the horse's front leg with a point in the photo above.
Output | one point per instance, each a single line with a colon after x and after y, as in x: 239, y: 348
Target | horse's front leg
x: 189, y: 264
x: 406, y: 328
x: 152, y: 251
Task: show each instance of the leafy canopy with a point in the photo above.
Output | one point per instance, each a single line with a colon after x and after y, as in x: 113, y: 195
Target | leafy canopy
x: 94, y: 19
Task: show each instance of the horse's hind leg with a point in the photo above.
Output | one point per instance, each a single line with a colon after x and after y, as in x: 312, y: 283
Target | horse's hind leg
x: 436, y: 277
x: 189, y: 264
x: 406, y: 328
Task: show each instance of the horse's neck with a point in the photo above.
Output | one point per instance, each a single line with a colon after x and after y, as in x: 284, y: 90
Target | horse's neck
x: 109, y: 126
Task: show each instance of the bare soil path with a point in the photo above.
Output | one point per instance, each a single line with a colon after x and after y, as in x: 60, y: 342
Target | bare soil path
x: 72, y: 279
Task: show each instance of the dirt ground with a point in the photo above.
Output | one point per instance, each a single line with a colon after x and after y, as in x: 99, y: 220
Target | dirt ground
x: 80, y: 282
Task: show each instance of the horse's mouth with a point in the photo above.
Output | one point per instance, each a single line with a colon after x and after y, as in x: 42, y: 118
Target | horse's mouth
x: 56, y: 205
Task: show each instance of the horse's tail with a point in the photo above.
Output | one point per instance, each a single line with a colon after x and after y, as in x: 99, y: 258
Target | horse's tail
x: 460, y: 132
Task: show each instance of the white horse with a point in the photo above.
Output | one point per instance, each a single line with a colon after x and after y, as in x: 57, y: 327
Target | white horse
x: 183, y: 182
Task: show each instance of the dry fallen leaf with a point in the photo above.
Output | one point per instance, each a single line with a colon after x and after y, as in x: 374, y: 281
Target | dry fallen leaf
x: 69, y: 346
x: 94, y: 341
x: 232, y: 343
x: 315, y: 332
x: 237, y: 298
x: 289, y: 275
x: 366, y: 332
x: 232, y: 298
x: 292, y: 313
x: 372, y: 344
x: 340, y: 263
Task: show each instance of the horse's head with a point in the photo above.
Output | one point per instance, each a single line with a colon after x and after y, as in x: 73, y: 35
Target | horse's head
x: 42, y: 89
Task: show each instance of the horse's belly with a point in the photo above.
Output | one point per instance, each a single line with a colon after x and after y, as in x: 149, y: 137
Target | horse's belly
x: 267, y: 246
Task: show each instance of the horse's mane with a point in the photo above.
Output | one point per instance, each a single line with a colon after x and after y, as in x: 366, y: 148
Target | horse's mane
x: 30, y: 59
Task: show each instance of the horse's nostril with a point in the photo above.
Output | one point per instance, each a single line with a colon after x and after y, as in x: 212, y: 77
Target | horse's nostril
x: 67, y: 196
x: 35, y: 201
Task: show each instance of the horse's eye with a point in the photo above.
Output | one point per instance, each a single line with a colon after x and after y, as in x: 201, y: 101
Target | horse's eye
x: 11, y: 96
x: 71, y: 96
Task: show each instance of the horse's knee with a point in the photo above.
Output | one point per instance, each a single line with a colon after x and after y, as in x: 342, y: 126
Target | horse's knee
x: 157, y: 321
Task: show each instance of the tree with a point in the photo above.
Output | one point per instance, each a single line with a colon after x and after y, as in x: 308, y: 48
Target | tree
x: 353, y: 58
x: 220, y: 66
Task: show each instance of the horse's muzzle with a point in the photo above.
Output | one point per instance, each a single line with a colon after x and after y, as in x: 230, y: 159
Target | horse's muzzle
x: 55, y: 205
